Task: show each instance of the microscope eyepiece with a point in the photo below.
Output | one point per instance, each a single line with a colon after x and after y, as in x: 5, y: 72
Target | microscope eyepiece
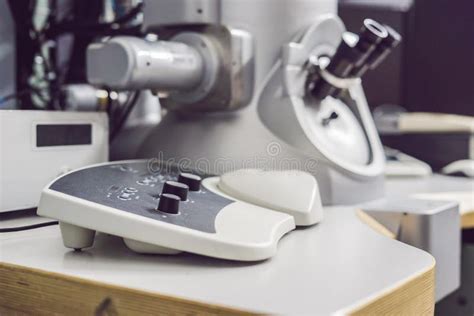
x: 347, y: 57
x: 393, y: 38
x: 385, y: 47
x: 371, y: 35
x: 372, y: 32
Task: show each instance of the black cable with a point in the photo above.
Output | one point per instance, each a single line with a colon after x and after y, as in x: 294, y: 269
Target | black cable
x: 129, y: 105
x: 27, y: 227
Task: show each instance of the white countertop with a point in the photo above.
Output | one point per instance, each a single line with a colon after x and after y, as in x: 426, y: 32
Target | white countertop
x: 434, y: 184
x: 436, y: 187
x: 334, y: 266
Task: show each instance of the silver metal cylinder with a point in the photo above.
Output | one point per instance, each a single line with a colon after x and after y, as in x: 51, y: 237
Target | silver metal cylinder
x: 272, y: 23
x: 80, y: 97
x: 126, y: 62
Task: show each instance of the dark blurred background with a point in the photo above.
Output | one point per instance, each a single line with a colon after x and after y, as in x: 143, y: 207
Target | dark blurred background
x: 432, y: 70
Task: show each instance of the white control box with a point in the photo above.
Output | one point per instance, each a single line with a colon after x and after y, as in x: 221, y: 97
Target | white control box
x: 38, y: 146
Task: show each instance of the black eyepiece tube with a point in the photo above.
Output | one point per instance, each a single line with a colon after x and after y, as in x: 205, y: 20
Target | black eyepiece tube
x: 347, y: 57
x: 383, y: 49
x: 371, y: 35
x: 391, y: 41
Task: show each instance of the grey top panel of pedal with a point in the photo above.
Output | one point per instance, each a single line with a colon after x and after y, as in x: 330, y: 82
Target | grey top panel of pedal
x: 113, y: 185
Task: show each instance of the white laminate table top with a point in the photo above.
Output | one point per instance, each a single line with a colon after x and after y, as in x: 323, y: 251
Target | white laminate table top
x: 332, y: 267
x: 436, y: 187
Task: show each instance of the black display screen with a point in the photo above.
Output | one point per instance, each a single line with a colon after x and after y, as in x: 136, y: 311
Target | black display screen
x: 48, y: 135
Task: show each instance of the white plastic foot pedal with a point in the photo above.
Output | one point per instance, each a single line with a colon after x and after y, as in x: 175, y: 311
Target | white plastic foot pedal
x: 164, y: 212
x: 293, y: 192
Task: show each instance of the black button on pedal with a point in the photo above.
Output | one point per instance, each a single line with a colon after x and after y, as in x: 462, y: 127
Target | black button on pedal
x: 176, y: 188
x: 193, y: 181
x: 169, y: 203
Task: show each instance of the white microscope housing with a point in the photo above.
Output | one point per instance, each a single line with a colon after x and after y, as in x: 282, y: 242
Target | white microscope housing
x: 233, y: 76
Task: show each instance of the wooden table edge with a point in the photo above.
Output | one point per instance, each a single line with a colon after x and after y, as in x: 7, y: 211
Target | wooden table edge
x: 414, y: 296
x: 27, y: 290
x: 34, y: 291
x: 467, y: 220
